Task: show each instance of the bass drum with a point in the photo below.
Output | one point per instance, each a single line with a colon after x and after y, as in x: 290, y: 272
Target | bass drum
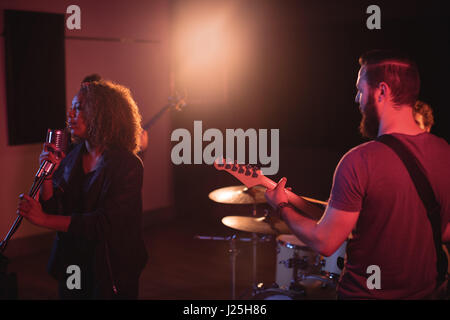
x: 294, y: 261
x: 334, y: 264
x: 316, y: 291
x: 278, y: 294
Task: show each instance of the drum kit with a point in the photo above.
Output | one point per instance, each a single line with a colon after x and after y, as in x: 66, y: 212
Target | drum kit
x: 301, y: 273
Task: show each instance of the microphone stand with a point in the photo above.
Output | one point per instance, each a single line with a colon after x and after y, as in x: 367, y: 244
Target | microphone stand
x: 44, y: 170
x: 8, y: 282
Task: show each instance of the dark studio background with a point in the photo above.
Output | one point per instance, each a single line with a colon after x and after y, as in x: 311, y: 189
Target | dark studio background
x: 301, y: 79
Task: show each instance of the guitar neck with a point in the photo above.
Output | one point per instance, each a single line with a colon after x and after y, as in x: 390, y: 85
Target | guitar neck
x: 300, y: 203
x: 156, y: 117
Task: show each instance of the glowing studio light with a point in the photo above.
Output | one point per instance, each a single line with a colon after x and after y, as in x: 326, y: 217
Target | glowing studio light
x: 206, y: 46
x: 203, y: 46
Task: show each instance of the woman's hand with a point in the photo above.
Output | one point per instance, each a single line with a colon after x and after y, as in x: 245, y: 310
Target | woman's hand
x: 50, y: 154
x: 31, y: 209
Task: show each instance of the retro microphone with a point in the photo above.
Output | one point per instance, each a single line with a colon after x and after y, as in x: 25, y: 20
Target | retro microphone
x: 60, y: 140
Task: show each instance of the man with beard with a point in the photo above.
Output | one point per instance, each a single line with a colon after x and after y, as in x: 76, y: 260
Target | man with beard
x: 373, y: 202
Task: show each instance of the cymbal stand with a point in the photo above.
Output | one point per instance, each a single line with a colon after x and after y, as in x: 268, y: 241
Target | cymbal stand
x: 233, y: 252
x: 38, y: 180
x: 255, y: 247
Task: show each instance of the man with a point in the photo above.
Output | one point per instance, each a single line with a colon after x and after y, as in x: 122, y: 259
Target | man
x: 373, y: 197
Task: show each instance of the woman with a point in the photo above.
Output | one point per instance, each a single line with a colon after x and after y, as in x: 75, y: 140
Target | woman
x: 94, y: 197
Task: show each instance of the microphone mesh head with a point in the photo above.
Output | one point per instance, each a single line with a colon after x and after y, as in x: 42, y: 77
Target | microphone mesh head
x: 59, y: 138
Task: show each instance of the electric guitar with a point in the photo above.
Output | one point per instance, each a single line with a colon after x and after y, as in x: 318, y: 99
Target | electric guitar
x: 252, y: 176
x: 176, y: 102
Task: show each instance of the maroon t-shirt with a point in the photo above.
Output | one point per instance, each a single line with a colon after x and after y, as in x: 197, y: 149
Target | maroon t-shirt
x: 392, y: 231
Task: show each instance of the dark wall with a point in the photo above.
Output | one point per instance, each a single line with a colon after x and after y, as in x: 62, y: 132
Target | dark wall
x: 35, y: 74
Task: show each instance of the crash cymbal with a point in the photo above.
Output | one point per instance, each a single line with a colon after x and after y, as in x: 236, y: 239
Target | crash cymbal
x: 239, y: 195
x: 257, y: 225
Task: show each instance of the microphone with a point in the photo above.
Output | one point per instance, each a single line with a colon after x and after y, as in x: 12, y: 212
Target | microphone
x: 59, y: 138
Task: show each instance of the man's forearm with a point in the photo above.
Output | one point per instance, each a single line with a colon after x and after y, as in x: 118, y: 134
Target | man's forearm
x: 304, y: 228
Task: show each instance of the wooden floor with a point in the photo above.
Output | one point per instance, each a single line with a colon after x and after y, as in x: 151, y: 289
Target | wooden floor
x: 180, y: 266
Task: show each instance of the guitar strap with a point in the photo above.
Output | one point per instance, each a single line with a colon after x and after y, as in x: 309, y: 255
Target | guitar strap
x: 427, y: 196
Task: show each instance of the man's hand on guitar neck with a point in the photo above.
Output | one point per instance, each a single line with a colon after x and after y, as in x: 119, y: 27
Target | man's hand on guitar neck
x: 278, y: 194
x: 323, y: 236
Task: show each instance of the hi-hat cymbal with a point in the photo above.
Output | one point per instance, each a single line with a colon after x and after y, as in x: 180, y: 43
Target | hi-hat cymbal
x: 239, y: 195
x: 256, y: 225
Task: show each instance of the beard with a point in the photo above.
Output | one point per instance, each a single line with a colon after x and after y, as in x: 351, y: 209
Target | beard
x: 370, y: 121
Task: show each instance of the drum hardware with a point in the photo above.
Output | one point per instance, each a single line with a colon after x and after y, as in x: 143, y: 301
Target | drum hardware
x: 254, y: 247
x: 255, y: 225
x: 332, y: 266
x: 243, y: 195
x: 295, y: 260
x: 275, y: 293
x: 298, y: 266
x: 301, y: 263
x: 233, y: 252
x: 325, y: 279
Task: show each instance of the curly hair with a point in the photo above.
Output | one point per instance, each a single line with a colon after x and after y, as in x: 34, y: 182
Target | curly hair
x: 427, y: 113
x: 111, y: 115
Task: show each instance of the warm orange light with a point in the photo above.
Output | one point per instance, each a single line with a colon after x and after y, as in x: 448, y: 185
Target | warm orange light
x: 205, y: 48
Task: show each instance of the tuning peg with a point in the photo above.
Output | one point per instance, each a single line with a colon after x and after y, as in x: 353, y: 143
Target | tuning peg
x: 220, y: 162
x: 241, y: 169
x: 228, y: 163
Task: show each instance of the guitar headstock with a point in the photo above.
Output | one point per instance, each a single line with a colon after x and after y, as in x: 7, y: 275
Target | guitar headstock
x: 177, y: 101
x: 249, y: 175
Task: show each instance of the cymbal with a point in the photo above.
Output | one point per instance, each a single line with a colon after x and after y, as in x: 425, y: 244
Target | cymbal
x: 256, y: 225
x: 239, y: 195
x: 324, y: 203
